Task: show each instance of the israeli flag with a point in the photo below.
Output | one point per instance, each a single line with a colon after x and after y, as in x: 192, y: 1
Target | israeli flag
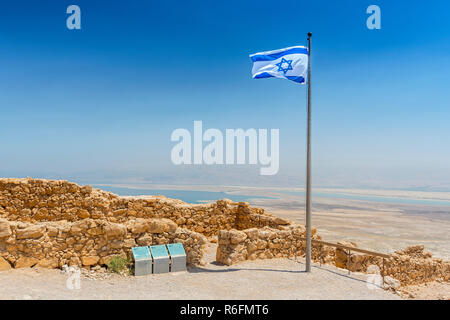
x: 289, y: 63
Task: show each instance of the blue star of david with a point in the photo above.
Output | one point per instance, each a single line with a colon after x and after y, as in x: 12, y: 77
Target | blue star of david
x: 284, y: 61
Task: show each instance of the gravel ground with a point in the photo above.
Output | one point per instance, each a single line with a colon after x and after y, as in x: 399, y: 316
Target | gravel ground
x: 259, y: 279
x: 427, y: 291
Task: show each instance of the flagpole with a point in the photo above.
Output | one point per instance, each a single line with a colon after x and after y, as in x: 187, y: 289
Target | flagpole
x: 308, y: 166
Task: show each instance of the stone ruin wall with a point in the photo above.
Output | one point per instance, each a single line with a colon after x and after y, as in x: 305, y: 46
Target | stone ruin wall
x: 49, y: 223
x: 409, y: 266
x: 36, y: 200
x: 88, y: 242
x: 52, y: 223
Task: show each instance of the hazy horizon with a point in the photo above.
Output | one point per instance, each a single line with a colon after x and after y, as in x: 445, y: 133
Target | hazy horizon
x: 245, y: 176
x: 99, y: 104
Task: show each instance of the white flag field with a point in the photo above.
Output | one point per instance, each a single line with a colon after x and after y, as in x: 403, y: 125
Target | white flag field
x: 288, y: 63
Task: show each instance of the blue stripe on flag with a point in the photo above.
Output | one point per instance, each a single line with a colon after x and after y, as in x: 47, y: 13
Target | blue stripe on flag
x: 262, y: 75
x: 274, y: 56
x: 296, y: 79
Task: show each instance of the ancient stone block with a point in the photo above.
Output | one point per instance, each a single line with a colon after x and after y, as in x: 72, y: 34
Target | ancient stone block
x: 25, y: 262
x: 31, y: 232
x: 114, y: 230
x: 5, y: 230
x: 49, y: 263
x: 4, y: 264
x: 89, y: 260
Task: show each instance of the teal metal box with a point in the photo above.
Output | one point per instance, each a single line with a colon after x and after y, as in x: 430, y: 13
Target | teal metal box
x: 177, y: 257
x: 161, y: 259
x: 142, y: 261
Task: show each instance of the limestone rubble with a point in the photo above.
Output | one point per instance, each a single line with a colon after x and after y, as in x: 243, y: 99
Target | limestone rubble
x: 47, y: 223
x: 410, y: 266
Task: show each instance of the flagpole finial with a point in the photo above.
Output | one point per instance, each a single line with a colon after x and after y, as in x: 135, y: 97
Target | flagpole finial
x: 309, y: 35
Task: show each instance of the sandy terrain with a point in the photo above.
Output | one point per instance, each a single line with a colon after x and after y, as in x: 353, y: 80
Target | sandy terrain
x: 427, y: 291
x: 429, y: 195
x: 379, y: 226
x: 247, y: 280
x: 383, y: 227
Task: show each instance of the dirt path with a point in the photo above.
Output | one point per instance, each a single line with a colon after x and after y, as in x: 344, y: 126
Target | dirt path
x: 260, y: 279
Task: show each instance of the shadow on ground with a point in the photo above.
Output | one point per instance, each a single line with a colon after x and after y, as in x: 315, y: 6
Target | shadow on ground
x: 197, y: 269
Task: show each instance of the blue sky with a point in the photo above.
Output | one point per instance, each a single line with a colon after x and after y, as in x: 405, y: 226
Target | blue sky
x: 100, y: 103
